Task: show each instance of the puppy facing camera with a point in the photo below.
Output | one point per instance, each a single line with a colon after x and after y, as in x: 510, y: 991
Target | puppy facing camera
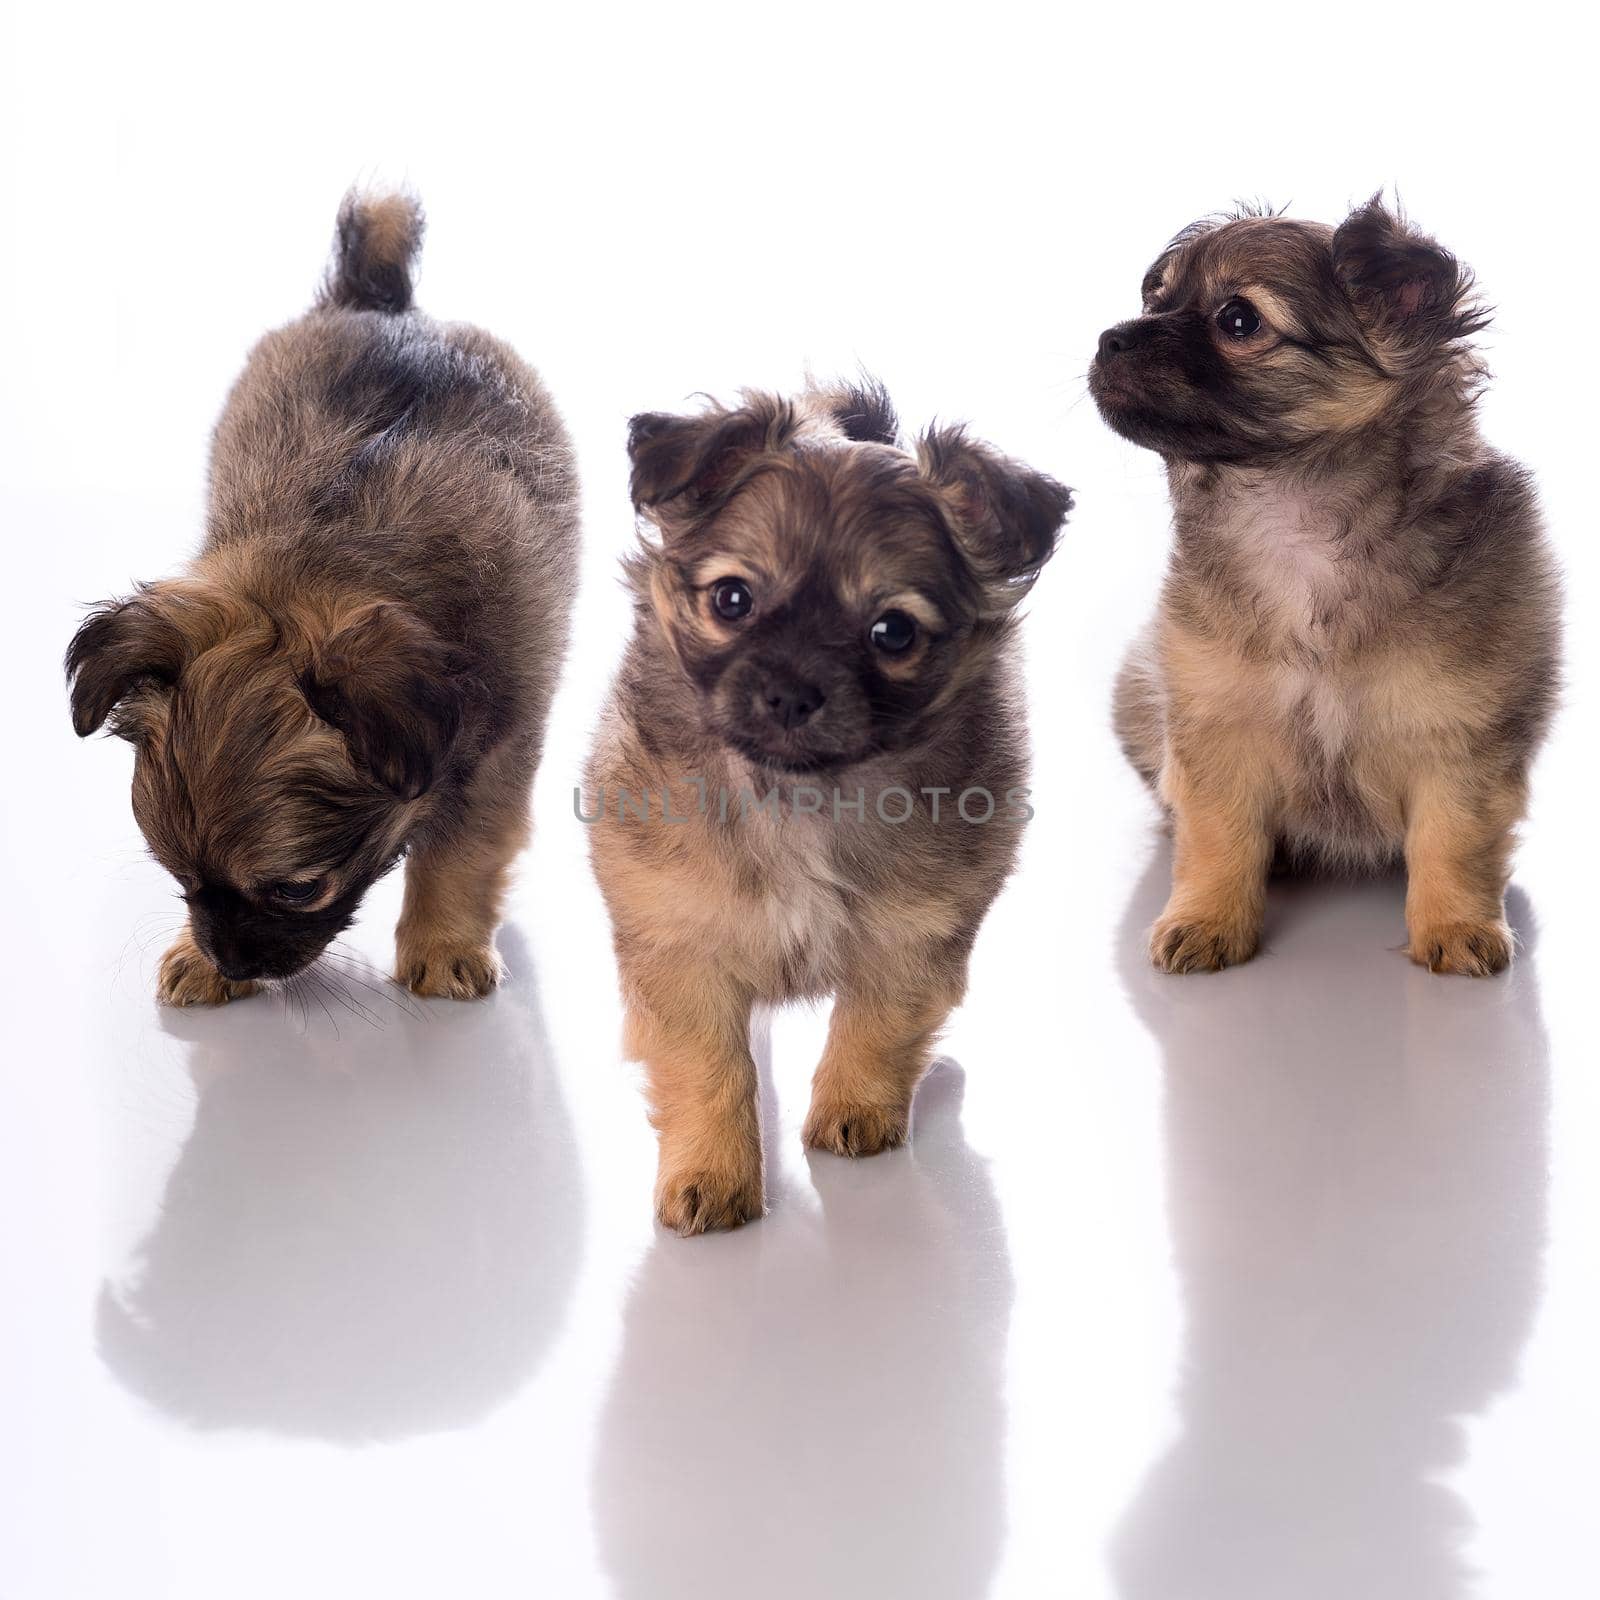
x: 1356, y: 652
x: 357, y: 666
x: 810, y: 778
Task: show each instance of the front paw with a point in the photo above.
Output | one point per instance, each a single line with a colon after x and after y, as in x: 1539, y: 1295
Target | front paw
x: 1475, y: 949
x: 702, y: 1197
x: 855, y: 1130
x: 188, y: 979
x: 1181, y: 942
x: 449, y: 972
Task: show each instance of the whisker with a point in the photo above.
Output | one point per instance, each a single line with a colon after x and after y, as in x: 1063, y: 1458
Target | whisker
x: 290, y: 988
x: 356, y: 965
x: 342, y: 996
x: 359, y: 971
x: 144, y: 937
x: 307, y: 984
x: 1079, y: 401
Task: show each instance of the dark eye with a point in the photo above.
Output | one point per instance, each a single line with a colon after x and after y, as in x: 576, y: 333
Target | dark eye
x: 732, y: 599
x: 893, y: 632
x: 1238, y: 319
x: 295, y: 891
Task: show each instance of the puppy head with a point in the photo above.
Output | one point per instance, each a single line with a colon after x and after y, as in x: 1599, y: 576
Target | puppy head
x: 279, y: 760
x: 1263, y: 337
x: 825, y: 591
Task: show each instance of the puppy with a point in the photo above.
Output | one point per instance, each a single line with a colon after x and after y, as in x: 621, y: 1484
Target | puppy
x: 1355, y: 655
x: 809, y: 779
x: 358, y: 664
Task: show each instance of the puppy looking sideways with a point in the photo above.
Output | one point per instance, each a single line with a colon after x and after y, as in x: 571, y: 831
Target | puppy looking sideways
x: 358, y: 664
x: 808, y: 779
x: 1355, y: 656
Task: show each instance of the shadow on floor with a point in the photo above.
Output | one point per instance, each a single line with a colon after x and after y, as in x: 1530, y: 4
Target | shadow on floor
x: 368, y: 1235
x: 813, y: 1405
x: 1356, y: 1156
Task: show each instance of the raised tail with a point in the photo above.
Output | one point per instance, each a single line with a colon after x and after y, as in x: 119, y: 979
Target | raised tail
x: 374, y: 250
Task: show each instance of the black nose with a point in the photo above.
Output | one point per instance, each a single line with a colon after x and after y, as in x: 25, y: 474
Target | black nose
x: 790, y: 702
x: 1114, y: 341
x: 236, y: 965
x: 228, y: 953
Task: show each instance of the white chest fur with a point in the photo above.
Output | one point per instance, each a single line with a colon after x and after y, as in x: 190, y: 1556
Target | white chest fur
x: 1323, y: 703
x: 803, y: 907
x: 1286, y: 547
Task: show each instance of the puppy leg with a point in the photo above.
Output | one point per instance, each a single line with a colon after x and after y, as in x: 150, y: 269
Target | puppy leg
x: 1222, y: 847
x: 188, y: 979
x: 878, y: 1048
x: 455, y: 887
x: 691, y: 1029
x: 1458, y: 855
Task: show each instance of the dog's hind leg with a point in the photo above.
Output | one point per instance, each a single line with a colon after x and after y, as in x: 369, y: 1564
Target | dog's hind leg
x: 1138, y: 709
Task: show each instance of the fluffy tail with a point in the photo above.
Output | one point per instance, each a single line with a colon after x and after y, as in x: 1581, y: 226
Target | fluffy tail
x: 374, y: 250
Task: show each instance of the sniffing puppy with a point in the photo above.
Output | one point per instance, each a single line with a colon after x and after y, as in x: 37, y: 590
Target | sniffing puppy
x: 809, y: 779
x: 358, y: 664
x: 1355, y: 656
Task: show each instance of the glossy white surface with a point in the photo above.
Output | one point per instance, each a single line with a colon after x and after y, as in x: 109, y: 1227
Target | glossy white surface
x: 1275, y: 1284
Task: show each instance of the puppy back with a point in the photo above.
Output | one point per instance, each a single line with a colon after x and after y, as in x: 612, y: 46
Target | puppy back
x: 375, y: 247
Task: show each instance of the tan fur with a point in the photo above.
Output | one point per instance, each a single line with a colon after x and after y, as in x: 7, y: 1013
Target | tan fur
x: 704, y: 931
x: 880, y: 1039
x: 444, y: 942
x: 1240, y: 748
x: 391, y: 222
x: 1219, y: 782
x: 1458, y: 850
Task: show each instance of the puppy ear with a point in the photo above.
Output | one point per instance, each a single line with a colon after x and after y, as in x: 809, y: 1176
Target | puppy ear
x: 684, y: 467
x: 1412, y: 294
x: 863, y: 410
x: 1005, y: 516
x: 394, y: 689
x: 122, y: 646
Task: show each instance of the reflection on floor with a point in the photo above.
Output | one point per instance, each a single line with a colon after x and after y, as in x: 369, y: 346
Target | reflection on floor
x: 393, y: 1278
x: 823, y: 1392
x: 1356, y: 1182
x: 369, y: 1234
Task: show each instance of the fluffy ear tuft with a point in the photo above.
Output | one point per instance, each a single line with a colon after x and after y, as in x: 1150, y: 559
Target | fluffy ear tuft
x: 1005, y: 516
x: 395, y: 690
x: 863, y: 411
x: 122, y: 646
x: 684, y: 467
x: 1406, y: 287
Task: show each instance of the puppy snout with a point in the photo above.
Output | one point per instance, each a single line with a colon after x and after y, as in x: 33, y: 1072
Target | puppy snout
x: 228, y: 956
x: 1120, y: 339
x: 790, y: 701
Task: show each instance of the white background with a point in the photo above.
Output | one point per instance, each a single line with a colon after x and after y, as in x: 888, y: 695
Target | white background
x: 1278, y: 1283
